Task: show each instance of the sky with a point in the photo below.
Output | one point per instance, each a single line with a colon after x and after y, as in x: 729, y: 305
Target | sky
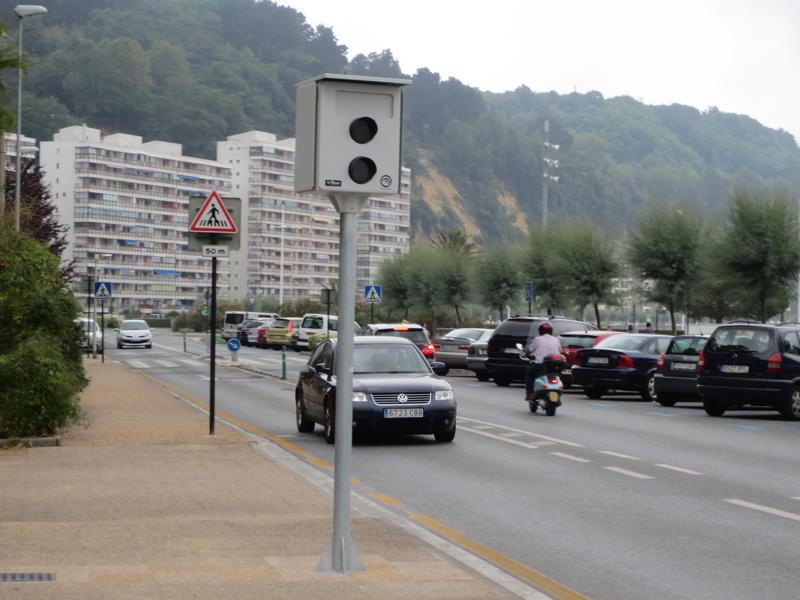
x: 741, y: 56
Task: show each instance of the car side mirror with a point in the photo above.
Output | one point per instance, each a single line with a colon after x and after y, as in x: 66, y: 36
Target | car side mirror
x: 439, y: 368
x: 321, y: 368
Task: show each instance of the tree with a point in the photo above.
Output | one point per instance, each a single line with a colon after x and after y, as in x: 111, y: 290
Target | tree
x: 396, y: 281
x: 666, y: 249
x: 589, y: 258
x: 497, y: 278
x: 455, y: 241
x: 450, y: 270
x: 543, y: 265
x: 762, y: 255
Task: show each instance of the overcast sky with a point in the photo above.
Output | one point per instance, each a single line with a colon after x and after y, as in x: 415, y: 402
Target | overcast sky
x: 742, y: 56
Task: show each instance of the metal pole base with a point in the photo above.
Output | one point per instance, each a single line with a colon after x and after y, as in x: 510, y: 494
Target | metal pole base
x: 345, y: 559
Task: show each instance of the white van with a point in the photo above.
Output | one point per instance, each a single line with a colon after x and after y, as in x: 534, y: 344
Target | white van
x: 315, y: 323
x: 234, y: 318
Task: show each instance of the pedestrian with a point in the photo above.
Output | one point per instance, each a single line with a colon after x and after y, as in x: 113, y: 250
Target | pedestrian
x: 648, y: 328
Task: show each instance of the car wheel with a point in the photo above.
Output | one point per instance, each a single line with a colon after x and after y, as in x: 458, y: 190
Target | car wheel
x: 482, y: 376
x: 666, y: 399
x: 594, y: 393
x: 713, y: 409
x: 790, y: 409
x: 328, y: 424
x: 119, y: 346
x: 304, y: 424
x: 649, y: 392
x: 149, y: 346
x: 444, y: 437
x: 502, y: 381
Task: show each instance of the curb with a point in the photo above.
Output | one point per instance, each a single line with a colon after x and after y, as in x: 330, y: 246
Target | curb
x: 31, y: 442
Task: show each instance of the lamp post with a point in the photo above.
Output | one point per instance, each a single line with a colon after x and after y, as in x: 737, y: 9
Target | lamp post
x: 22, y: 11
x: 549, y: 163
x: 283, y: 237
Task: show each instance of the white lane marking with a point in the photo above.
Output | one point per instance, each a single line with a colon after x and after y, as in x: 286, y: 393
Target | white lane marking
x: 192, y: 363
x: 511, y: 434
x: 137, y: 364
x: 482, y: 427
x: 795, y: 497
x: 538, y: 435
x: 765, y: 509
x: 618, y: 455
x: 570, y: 457
x: 166, y: 363
x: 629, y: 473
x: 679, y: 469
x: 497, y: 437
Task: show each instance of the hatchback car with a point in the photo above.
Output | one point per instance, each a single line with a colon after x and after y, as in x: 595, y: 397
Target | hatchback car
x: 247, y: 327
x: 676, y: 370
x: 625, y: 362
x: 453, y: 347
x: 394, y: 390
x: 572, y: 342
x: 280, y: 334
x: 90, y: 335
x: 410, y: 331
x: 134, y: 333
x: 504, y: 363
x: 476, y: 357
x: 755, y: 365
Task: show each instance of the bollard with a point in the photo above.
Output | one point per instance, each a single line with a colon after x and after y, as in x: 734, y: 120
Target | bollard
x: 283, y: 362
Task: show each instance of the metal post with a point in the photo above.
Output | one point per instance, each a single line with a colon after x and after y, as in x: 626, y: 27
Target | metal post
x: 283, y: 235
x: 371, y: 312
x: 103, y: 331
x: 530, y: 307
x: 89, y: 282
x: 546, y: 175
x: 212, y: 344
x: 184, y: 341
x: 283, y: 362
x: 342, y: 555
x: 19, y: 133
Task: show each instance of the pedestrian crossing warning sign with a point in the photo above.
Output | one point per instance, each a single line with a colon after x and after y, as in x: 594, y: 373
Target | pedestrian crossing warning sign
x: 213, y: 217
x: 102, y: 289
x: 373, y: 294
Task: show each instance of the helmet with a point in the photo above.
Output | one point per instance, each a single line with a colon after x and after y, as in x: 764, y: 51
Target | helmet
x: 545, y: 328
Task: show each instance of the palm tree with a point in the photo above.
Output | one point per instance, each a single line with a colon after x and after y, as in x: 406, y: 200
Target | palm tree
x: 455, y: 241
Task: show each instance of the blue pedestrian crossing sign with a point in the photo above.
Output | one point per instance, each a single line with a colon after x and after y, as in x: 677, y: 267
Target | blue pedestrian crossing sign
x: 373, y: 294
x: 528, y: 291
x: 103, y: 290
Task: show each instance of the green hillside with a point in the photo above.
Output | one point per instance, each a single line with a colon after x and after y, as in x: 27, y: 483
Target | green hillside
x: 195, y: 71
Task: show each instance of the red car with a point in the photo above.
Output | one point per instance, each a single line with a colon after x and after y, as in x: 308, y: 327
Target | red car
x: 573, y: 341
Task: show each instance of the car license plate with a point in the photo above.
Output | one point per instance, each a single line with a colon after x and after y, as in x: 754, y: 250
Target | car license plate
x: 683, y: 366
x: 402, y: 413
x: 553, y: 396
x: 597, y: 360
x: 512, y: 350
x: 734, y: 369
x: 449, y: 348
x: 566, y: 372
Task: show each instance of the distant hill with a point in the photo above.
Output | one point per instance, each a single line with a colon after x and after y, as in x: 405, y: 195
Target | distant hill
x: 195, y: 71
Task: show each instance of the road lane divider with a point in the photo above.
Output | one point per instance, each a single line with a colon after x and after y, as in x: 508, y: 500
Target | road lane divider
x: 764, y: 509
x: 499, y: 437
x: 619, y: 455
x: 523, y: 431
x: 571, y: 457
x: 634, y: 474
x: 678, y: 469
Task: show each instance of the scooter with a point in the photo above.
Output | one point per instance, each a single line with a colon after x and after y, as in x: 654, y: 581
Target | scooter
x: 548, y: 387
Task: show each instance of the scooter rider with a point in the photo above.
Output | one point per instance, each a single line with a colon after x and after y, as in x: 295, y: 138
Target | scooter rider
x: 541, y: 346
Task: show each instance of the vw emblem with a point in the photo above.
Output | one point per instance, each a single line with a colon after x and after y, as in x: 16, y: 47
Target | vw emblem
x: 402, y: 398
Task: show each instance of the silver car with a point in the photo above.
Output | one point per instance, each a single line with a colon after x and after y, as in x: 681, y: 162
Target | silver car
x: 91, y: 336
x: 451, y: 348
x: 134, y: 333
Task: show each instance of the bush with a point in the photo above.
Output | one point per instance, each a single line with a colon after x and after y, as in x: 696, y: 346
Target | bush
x: 41, y: 368
x: 158, y: 322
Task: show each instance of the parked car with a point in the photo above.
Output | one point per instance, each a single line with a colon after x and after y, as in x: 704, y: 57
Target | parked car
x: 751, y: 365
x: 452, y: 348
x: 625, y: 362
x: 572, y: 341
x: 676, y: 370
x: 476, y: 359
x: 134, y: 333
x: 243, y: 335
x: 258, y: 336
x: 91, y: 336
x: 503, y: 363
x: 233, y: 320
x: 312, y: 323
x: 411, y: 331
x: 395, y: 389
x: 280, y: 334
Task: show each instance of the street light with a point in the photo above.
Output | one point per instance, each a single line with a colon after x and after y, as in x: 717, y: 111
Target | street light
x: 548, y: 164
x: 22, y: 11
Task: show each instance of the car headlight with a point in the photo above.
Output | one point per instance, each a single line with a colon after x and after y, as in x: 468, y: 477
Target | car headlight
x: 359, y: 397
x: 445, y: 395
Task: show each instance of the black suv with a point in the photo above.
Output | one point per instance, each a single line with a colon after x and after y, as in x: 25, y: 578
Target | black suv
x: 751, y: 364
x: 504, y: 363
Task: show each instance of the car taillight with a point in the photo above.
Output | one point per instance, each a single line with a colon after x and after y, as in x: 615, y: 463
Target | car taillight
x: 471, y: 351
x: 428, y: 350
x: 464, y: 347
x: 774, y: 364
x: 660, y: 363
x: 290, y: 327
x: 437, y: 346
x: 625, y: 362
x: 701, y: 362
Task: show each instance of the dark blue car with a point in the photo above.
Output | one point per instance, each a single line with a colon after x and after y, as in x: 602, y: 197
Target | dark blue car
x: 624, y: 362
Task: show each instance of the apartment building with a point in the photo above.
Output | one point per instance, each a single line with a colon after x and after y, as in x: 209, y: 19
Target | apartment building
x: 125, y: 202
x: 290, y: 243
x: 27, y: 146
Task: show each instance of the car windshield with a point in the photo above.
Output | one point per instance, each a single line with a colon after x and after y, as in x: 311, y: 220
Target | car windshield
x: 313, y: 323
x: 234, y: 318
x: 470, y: 334
x: 740, y: 339
x: 623, y: 342
x: 691, y: 346
x: 133, y: 325
x: 389, y: 358
x: 280, y: 323
x: 517, y: 328
x: 415, y: 335
x: 577, y: 341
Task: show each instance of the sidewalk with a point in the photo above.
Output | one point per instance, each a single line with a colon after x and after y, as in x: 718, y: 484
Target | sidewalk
x: 141, y: 503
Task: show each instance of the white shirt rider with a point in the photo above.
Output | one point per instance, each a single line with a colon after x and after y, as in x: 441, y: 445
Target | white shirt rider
x: 542, y: 346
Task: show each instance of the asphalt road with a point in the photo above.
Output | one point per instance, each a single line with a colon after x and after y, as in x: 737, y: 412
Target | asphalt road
x: 618, y: 498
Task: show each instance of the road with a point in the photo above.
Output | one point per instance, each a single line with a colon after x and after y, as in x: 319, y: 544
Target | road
x: 618, y: 499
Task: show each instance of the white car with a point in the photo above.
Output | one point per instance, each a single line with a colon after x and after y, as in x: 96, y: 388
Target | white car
x: 91, y: 336
x: 134, y: 333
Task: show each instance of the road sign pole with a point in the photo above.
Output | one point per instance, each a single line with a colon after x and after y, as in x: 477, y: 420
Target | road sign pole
x: 342, y: 555
x: 89, y: 290
x: 103, y: 331
x: 212, y: 339
x: 372, y: 312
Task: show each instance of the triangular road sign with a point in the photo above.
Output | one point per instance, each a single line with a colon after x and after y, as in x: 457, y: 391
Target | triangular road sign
x: 101, y: 290
x: 372, y: 293
x: 213, y: 217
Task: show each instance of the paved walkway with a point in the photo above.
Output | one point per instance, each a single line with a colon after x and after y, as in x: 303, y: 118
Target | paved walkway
x: 139, y: 502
